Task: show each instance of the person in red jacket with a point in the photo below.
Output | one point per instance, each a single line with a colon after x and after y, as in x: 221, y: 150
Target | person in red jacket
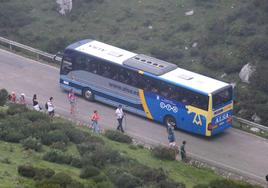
x: 94, y: 119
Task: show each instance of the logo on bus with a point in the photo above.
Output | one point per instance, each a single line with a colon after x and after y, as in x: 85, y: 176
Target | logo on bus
x: 169, y: 107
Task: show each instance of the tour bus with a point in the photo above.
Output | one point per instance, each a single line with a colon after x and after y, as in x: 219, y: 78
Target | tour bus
x: 147, y: 86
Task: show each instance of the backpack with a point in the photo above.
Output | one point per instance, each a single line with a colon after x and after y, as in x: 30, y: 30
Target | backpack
x: 46, y: 106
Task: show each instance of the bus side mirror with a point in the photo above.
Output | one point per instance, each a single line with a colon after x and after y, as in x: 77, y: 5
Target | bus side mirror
x: 58, y: 57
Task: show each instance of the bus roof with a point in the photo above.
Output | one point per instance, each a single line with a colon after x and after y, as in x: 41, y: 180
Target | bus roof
x: 105, y: 51
x: 159, y: 68
x: 194, y: 81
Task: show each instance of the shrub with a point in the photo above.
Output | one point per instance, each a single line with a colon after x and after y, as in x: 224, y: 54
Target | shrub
x: 225, y: 183
x: 59, y: 146
x: 16, y: 109
x: 3, y: 97
x: 54, y: 136
x: 26, y: 171
x: 118, y: 136
x: 100, y: 178
x: 201, y: 186
x: 32, y: 143
x: 105, y: 184
x: 163, y: 153
x: 105, y: 155
x: 170, y: 184
x: 60, y: 180
x: 76, y: 136
x: 89, y: 171
x: 57, y: 156
x: 43, y: 173
x: 148, y: 174
x: 36, y: 116
x: 13, y: 135
x: 87, y: 147
x: 127, y: 180
x: 76, y: 162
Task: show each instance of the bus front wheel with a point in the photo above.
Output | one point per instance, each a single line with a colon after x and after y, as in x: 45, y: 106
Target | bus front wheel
x: 88, y: 94
x: 170, y: 121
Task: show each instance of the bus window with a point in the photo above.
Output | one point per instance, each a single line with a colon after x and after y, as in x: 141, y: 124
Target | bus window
x: 222, y: 97
x: 66, y: 65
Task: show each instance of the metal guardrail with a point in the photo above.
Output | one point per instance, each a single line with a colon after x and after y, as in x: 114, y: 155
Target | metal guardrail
x: 56, y: 59
x: 250, y: 123
x: 12, y: 45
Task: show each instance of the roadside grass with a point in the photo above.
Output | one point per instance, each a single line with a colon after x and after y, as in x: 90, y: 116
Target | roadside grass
x: 178, y: 170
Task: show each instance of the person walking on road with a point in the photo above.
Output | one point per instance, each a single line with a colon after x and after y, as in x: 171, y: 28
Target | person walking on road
x: 50, y: 107
x: 72, y: 99
x: 171, y: 136
x: 36, y: 105
x: 119, y: 116
x: 22, y: 99
x: 182, y: 151
x: 13, y: 97
x: 95, y: 118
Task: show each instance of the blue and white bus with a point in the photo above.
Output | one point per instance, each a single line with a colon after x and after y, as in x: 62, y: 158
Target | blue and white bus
x: 147, y: 86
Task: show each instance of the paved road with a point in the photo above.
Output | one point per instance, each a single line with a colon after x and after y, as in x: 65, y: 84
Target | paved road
x: 234, y: 149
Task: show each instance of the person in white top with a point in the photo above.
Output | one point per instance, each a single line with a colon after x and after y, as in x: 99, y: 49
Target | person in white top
x: 119, y: 116
x: 50, y: 107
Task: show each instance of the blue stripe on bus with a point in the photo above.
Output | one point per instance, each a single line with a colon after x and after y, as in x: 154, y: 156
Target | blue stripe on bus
x: 101, y: 94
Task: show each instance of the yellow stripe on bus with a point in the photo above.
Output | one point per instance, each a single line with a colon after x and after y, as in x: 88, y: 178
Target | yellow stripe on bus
x: 144, y: 104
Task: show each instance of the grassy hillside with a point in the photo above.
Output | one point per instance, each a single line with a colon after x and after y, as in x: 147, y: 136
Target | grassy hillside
x: 39, y: 152
x: 227, y: 35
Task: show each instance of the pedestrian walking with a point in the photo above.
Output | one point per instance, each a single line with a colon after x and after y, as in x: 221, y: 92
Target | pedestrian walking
x: 50, y: 107
x: 36, y: 105
x: 72, y: 100
x: 171, y: 136
x: 22, y: 99
x: 13, y: 97
x: 182, y: 151
x: 266, y: 180
x: 119, y: 116
x: 94, y: 119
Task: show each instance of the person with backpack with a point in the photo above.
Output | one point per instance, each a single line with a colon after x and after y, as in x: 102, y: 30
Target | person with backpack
x: 36, y: 105
x: 182, y: 151
x: 50, y: 107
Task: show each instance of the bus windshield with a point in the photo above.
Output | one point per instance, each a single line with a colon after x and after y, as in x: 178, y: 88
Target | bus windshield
x: 222, y: 97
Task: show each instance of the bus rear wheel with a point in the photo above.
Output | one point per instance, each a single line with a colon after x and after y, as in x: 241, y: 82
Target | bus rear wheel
x: 88, y: 94
x: 170, y: 121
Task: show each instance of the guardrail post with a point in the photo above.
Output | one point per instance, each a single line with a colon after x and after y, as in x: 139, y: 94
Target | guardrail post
x: 10, y: 46
x: 37, y: 56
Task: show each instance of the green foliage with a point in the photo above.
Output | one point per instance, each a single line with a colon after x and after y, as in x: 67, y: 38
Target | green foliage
x: 57, y: 156
x: 59, y: 146
x: 36, y: 116
x: 163, y: 153
x: 32, y: 143
x: 89, y: 171
x: 118, y: 136
x: 75, y: 135
x: 229, y: 184
x: 26, y: 171
x: 16, y: 109
x: 60, y: 180
x: 54, y: 136
x: 3, y: 97
x: 36, y: 173
x: 127, y: 180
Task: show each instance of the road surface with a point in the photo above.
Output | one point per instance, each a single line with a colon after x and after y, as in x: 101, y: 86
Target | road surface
x: 234, y: 149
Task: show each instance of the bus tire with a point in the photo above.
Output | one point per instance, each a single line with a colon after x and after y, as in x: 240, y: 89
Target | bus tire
x: 88, y: 94
x: 170, y: 120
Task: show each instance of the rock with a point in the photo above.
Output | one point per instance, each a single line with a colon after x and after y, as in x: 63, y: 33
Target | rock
x: 150, y: 27
x: 246, y: 72
x: 189, y: 13
x: 65, y: 6
x: 254, y: 129
x: 194, y: 44
x: 256, y: 118
x: 223, y: 75
x: 186, y: 48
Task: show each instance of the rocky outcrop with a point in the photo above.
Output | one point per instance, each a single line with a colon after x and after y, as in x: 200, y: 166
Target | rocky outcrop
x: 246, y: 72
x: 65, y: 6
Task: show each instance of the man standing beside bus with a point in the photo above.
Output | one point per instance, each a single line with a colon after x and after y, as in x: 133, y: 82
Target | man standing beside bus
x: 119, y: 116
